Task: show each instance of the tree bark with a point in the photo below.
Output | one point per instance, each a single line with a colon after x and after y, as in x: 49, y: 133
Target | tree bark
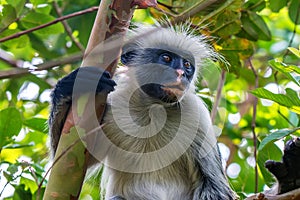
x: 291, y: 195
x: 72, y: 157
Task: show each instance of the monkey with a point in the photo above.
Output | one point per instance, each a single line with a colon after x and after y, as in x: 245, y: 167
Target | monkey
x: 159, y: 140
x: 287, y: 171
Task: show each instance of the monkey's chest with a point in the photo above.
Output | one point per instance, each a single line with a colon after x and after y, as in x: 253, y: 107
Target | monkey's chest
x: 172, y: 182
x: 157, y: 167
x: 146, y: 147
x: 149, y: 155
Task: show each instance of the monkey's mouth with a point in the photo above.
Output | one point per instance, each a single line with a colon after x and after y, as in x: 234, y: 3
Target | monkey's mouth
x: 174, y: 91
x: 169, y: 92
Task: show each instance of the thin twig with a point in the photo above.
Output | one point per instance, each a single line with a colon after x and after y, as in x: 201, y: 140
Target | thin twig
x: 5, y: 185
x: 192, y: 11
x: 8, y: 182
x: 218, y: 96
x: 9, y: 59
x: 253, y: 125
x: 67, y: 27
x: 165, y: 12
x: 293, y: 35
x: 44, y: 66
x: 92, y: 9
x: 215, y: 12
x: 170, y: 7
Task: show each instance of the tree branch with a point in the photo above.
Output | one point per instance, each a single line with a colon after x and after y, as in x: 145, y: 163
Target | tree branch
x: 92, y: 9
x: 198, y: 7
x: 67, y: 27
x: 293, y: 35
x: 253, y: 125
x: 294, y: 194
x: 9, y: 59
x: 218, y: 96
x: 215, y: 12
x: 44, y: 66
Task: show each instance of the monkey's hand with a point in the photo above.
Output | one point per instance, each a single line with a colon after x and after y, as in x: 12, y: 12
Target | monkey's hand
x: 287, y: 172
x: 88, y: 79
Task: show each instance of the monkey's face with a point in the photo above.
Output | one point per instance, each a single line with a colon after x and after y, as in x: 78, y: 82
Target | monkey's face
x: 162, y: 74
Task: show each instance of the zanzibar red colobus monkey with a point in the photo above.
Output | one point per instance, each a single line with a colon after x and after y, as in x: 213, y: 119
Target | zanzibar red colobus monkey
x: 159, y: 140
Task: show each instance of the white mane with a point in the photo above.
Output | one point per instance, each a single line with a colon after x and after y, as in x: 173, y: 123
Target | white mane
x: 178, y: 38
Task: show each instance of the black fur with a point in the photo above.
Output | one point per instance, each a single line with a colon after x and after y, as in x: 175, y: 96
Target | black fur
x: 61, y: 97
x: 287, y: 171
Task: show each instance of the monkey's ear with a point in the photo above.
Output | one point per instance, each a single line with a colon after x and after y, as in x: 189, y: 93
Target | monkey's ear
x: 128, y: 57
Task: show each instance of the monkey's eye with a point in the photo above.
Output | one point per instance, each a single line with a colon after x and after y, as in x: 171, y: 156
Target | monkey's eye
x: 187, y: 64
x: 167, y: 58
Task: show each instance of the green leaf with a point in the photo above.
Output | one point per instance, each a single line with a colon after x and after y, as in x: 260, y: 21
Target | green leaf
x: 254, y: 26
x: 29, y: 184
x: 15, y: 43
x: 45, y: 9
x: 276, y: 5
x: 294, y: 11
x: 255, y: 5
x: 12, y: 169
x: 38, y: 124
x: 271, y: 152
x: 293, y: 68
x: 8, y: 176
x: 228, y: 23
x: 260, y: 26
x: 21, y: 193
x: 237, y: 48
x: 290, y: 100
x: 286, y: 70
x: 276, y: 136
x: 10, y: 125
x: 34, y: 19
x: 7, y: 16
x: 294, y: 51
x: 37, y: 2
x: 248, y: 26
x: 18, y: 5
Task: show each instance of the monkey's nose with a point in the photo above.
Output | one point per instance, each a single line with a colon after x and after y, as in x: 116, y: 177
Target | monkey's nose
x: 179, y: 73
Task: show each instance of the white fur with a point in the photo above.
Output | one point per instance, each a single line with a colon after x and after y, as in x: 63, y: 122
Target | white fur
x: 173, y: 180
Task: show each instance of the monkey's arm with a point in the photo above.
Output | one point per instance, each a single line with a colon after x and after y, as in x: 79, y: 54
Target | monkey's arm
x: 61, y: 97
x: 213, y: 184
x: 287, y: 172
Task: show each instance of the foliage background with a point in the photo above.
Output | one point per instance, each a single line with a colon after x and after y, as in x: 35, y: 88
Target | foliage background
x: 259, y: 38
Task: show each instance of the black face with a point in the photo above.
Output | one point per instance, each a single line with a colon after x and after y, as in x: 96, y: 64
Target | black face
x: 162, y: 74
x: 171, y: 60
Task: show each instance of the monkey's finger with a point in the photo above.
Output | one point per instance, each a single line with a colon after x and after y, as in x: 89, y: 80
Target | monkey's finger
x: 92, y: 73
x: 277, y: 168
